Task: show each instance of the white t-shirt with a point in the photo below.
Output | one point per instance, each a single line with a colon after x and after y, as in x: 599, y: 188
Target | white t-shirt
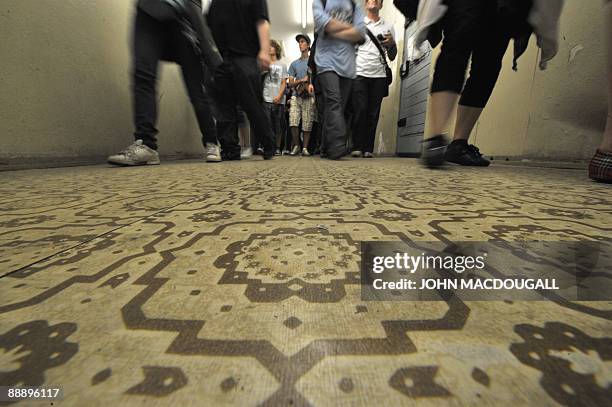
x: 369, y: 62
x: 273, y: 82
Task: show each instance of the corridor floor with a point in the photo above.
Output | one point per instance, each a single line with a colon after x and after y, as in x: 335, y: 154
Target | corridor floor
x: 237, y: 284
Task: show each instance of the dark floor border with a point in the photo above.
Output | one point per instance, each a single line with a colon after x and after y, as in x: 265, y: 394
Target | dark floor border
x: 33, y: 163
x: 30, y: 163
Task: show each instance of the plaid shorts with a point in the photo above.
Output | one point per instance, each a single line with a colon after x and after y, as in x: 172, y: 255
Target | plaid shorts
x: 301, y: 108
x: 600, y: 167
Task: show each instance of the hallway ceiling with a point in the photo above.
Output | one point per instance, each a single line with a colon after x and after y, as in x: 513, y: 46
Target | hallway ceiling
x: 285, y: 19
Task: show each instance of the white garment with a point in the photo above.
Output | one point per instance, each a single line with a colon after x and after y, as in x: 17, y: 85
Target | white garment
x: 205, y: 6
x: 369, y: 60
x: 429, y: 13
x: 544, y: 18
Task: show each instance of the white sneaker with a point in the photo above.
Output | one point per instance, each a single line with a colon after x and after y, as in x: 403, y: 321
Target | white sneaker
x: 368, y: 155
x: 135, y: 154
x: 246, y: 152
x: 213, y: 153
x: 356, y: 154
x: 295, y: 150
x: 305, y: 152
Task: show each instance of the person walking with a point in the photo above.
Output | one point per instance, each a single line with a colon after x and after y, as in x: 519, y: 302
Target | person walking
x: 339, y: 25
x: 175, y: 31
x: 241, y: 30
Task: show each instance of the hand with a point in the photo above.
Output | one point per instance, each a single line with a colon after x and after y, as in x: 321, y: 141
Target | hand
x: 388, y: 42
x: 277, y: 100
x: 264, y: 60
x: 311, y: 89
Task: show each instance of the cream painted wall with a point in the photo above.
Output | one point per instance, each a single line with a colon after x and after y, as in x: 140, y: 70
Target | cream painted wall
x: 65, y: 83
x: 568, y: 106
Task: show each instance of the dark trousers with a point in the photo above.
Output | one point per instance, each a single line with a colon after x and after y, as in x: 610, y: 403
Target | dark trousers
x: 320, y: 105
x: 276, y: 115
x: 472, y: 28
x: 367, y: 97
x: 238, y: 82
x: 335, y: 91
x: 154, y: 41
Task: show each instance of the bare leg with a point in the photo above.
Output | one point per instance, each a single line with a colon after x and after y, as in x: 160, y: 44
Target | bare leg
x: 306, y: 139
x: 600, y: 167
x: 442, y: 106
x: 295, y: 134
x: 245, y: 136
x: 466, y: 120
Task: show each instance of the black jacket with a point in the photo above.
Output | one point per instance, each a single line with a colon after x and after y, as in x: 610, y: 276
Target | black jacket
x: 514, y: 14
x: 189, y: 15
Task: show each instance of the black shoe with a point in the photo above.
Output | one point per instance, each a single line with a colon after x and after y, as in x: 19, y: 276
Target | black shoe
x: 337, y: 153
x: 462, y: 153
x: 433, y: 151
x: 230, y: 157
x: 268, y: 154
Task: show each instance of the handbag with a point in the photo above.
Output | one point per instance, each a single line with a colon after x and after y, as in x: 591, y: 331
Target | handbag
x: 383, y: 57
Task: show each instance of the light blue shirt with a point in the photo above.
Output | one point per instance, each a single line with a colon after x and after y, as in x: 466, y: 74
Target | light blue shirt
x: 332, y: 54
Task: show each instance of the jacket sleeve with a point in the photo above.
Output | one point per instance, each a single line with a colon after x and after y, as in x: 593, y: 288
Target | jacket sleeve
x: 210, y: 53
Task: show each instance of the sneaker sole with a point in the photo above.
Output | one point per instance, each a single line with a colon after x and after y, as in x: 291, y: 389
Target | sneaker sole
x: 434, y: 157
x: 213, y: 160
x: 466, y: 165
x: 125, y: 164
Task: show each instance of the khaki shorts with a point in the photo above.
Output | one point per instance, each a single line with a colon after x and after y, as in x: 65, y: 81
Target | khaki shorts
x: 301, y: 108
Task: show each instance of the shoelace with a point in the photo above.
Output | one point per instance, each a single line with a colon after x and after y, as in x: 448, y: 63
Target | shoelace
x: 474, y: 149
x: 130, y: 151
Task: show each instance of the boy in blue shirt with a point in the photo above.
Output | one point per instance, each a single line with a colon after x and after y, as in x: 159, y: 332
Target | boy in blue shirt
x: 339, y: 25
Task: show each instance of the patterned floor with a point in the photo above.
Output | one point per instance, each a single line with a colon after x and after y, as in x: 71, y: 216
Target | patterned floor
x: 238, y: 284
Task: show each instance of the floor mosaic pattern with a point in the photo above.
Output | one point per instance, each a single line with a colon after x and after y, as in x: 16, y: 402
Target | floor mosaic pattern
x: 237, y: 284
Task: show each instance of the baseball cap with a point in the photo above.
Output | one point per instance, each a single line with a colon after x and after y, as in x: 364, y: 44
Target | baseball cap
x: 305, y: 36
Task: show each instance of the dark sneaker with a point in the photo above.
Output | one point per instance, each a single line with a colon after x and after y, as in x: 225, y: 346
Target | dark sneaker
x: 336, y: 154
x: 600, y: 167
x: 230, y: 157
x: 268, y: 154
x: 433, y: 151
x: 463, y: 153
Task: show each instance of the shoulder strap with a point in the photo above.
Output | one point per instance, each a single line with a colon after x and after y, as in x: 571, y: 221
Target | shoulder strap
x: 380, y: 49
